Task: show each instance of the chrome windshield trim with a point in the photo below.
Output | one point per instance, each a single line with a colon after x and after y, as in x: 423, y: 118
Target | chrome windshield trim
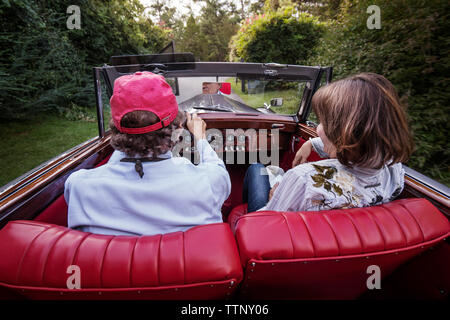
x: 427, y: 181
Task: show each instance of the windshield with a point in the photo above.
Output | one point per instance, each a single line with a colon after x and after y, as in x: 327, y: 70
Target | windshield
x: 232, y: 94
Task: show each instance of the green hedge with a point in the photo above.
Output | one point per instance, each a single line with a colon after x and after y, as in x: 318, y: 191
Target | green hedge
x: 276, y: 37
x: 46, y: 67
x: 412, y: 50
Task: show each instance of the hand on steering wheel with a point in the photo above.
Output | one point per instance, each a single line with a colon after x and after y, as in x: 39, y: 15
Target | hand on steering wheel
x: 196, y: 126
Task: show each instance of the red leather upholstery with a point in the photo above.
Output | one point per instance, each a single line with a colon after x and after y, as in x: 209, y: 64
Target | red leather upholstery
x: 235, y: 214
x: 325, y: 255
x: 55, y: 213
x: 237, y: 173
x: 200, y: 263
x: 289, y: 155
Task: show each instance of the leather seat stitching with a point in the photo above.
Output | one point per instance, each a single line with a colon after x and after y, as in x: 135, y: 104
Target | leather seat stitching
x: 309, y: 234
x: 358, y: 233
x: 334, y: 233
x: 158, y: 261
x: 50, y: 251
x: 290, y: 234
x: 400, y: 226
x: 75, y: 255
x: 19, y: 269
x: 103, y: 260
x: 131, y: 262
x: 184, y: 261
x: 417, y: 222
x: 375, y: 221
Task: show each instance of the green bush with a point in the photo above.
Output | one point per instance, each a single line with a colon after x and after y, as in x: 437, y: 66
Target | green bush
x: 46, y: 67
x: 208, y: 34
x: 277, y: 37
x: 412, y: 50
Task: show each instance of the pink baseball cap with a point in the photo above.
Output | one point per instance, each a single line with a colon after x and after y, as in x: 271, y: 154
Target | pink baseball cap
x: 143, y: 91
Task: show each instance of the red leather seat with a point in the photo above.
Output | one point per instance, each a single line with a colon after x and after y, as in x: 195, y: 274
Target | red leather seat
x: 325, y: 255
x: 200, y: 263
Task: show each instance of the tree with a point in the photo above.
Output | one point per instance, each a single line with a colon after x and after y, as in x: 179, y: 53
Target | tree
x: 208, y: 35
x: 277, y: 37
x: 218, y: 28
x: 46, y: 67
x: 158, y: 7
x: 192, y: 40
x: 412, y: 50
x: 244, y: 8
x: 323, y: 9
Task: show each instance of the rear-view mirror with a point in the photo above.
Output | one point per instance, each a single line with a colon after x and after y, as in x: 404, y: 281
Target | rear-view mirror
x: 216, y: 87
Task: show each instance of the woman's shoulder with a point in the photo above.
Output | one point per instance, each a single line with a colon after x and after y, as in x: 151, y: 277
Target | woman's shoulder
x: 322, y: 166
x: 396, y: 168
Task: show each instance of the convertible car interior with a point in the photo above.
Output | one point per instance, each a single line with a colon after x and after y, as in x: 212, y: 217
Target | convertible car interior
x: 260, y: 255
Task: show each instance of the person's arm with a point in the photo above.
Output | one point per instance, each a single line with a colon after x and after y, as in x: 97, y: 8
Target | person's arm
x: 67, y: 190
x: 215, y: 170
x: 197, y: 127
x: 207, y: 154
x: 69, y: 183
x: 209, y: 160
x: 290, y: 193
x: 305, y: 150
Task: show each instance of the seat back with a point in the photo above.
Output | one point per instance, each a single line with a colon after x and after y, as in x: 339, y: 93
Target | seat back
x: 327, y: 255
x: 200, y: 263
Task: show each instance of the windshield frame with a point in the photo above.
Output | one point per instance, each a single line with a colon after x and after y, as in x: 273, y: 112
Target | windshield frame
x: 243, y: 70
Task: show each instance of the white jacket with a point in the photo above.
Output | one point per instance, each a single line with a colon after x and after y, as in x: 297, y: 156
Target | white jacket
x: 173, y: 195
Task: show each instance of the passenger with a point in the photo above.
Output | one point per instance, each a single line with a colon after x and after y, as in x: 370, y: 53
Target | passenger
x: 363, y: 131
x: 143, y: 190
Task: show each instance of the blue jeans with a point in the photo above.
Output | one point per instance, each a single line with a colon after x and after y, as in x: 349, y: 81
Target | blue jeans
x: 256, y: 187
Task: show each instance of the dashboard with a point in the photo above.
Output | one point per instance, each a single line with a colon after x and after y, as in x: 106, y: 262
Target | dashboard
x: 239, y: 140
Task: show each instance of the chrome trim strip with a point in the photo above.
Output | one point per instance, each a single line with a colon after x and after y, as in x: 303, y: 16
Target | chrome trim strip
x: 63, y: 157
x: 427, y: 181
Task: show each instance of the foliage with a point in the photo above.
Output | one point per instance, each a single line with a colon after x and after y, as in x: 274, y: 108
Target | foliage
x: 412, y: 50
x: 280, y: 37
x: 208, y: 35
x: 44, y: 66
x: 192, y: 40
x: 323, y: 9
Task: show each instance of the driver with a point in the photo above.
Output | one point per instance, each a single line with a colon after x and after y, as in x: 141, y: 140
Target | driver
x: 143, y: 190
x: 211, y: 87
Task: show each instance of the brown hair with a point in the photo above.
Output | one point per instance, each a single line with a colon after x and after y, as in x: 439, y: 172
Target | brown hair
x: 154, y: 143
x: 362, y: 116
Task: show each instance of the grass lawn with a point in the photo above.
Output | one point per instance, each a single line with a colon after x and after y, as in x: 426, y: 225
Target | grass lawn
x: 291, y: 98
x: 26, y: 144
